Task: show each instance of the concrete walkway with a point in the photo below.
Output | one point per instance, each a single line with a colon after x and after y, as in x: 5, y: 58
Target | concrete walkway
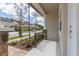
x: 44, y: 48
x: 13, y: 51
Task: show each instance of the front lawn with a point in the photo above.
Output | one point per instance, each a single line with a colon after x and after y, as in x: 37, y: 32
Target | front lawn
x: 16, y: 37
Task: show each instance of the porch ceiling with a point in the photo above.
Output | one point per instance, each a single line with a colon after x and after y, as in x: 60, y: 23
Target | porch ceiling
x: 50, y: 7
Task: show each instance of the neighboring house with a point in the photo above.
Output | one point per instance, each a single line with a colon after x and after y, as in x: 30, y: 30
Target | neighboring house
x: 4, y: 22
x: 14, y: 23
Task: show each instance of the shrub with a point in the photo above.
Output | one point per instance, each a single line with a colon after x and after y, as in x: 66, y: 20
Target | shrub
x: 13, y: 43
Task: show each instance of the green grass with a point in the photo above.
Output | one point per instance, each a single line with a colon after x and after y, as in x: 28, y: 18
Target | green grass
x: 16, y: 37
x: 28, y: 39
x: 13, y: 42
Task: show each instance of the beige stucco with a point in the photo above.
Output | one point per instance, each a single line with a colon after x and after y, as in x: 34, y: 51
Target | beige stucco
x: 52, y: 26
x: 63, y: 34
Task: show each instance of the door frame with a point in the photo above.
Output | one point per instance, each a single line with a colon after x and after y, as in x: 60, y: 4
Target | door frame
x: 72, y: 37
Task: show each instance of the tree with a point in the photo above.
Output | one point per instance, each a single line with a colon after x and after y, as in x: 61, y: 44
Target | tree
x: 21, y: 11
x: 39, y: 27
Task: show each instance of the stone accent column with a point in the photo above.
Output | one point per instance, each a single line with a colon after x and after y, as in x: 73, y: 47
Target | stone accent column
x: 3, y: 43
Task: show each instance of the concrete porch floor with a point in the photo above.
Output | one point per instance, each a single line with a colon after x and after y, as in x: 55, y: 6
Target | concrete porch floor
x: 44, y: 48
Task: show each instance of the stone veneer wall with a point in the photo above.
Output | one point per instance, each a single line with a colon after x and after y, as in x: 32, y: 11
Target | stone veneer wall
x: 3, y: 44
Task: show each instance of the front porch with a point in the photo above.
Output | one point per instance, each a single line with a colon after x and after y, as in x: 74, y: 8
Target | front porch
x: 40, y: 46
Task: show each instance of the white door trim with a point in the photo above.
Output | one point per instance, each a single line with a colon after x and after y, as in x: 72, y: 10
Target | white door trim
x: 72, y: 17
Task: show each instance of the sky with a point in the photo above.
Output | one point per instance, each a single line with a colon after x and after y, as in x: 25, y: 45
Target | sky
x: 7, y: 10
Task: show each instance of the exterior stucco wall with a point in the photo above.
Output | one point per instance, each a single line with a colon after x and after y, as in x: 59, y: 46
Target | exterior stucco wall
x: 63, y: 34
x: 52, y: 26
